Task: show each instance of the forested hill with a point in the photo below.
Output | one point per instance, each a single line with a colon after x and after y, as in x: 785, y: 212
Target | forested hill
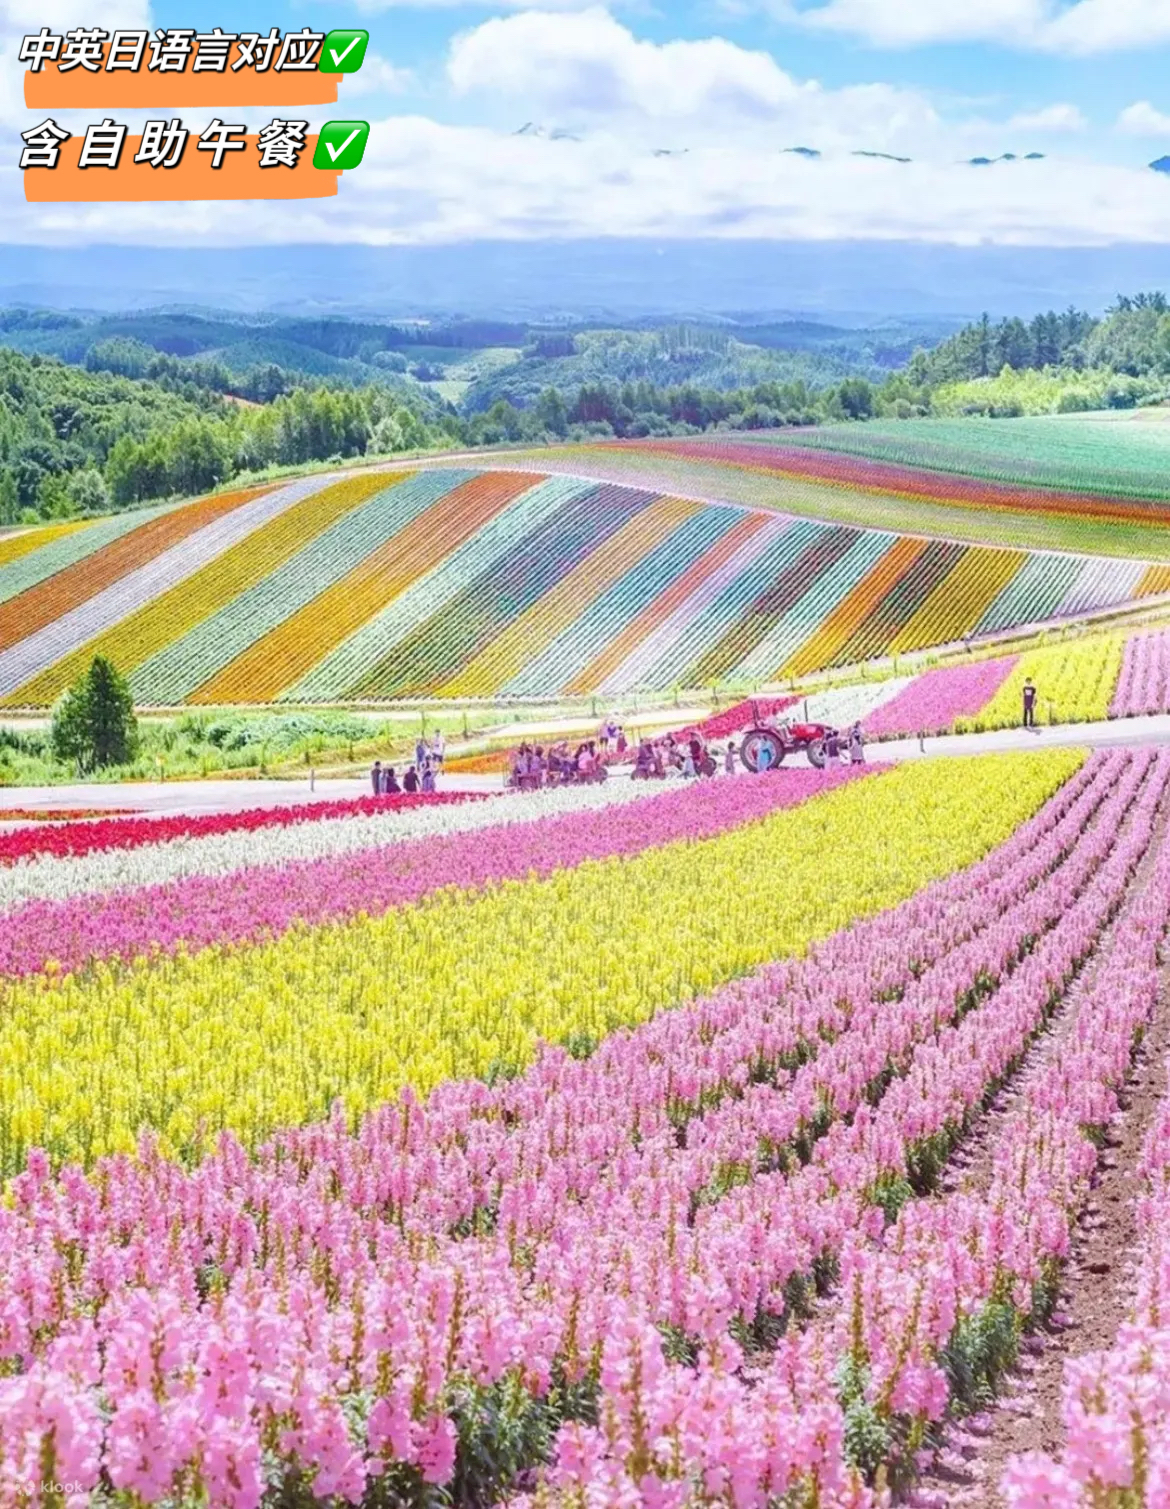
x: 1132, y: 338
x: 101, y: 411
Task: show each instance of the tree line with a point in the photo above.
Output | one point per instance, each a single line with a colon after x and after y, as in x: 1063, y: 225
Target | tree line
x: 132, y: 425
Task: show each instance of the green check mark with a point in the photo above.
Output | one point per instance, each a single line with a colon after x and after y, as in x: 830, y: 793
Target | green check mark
x: 341, y: 144
x: 344, y: 51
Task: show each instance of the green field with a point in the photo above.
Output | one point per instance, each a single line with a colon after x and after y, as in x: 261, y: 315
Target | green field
x: 876, y: 510
x: 1108, y: 454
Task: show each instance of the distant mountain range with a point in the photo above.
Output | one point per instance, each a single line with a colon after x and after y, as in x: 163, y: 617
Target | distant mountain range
x: 850, y: 283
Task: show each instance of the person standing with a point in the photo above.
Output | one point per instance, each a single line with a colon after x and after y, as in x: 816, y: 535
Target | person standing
x: 376, y: 778
x: 856, y: 745
x: 428, y: 780
x: 1029, y: 704
x: 438, y: 749
x: 420, y: 752
x: 390, y: 785
x: 410, y: 780
x: 729, y: 758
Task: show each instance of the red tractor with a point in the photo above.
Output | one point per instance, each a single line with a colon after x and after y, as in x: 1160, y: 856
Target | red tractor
x: 765, y: 746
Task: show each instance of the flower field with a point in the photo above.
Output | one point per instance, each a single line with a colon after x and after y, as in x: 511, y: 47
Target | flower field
x: 936, y: 700
x: 508, y: 582
x: 1108, y: 456
x: 1069, y: 484
x: 870, y: 473
x: 587, y: 1148
x: 1076, y: 681
x: 1115, y: 1416
x: 1144, y: 683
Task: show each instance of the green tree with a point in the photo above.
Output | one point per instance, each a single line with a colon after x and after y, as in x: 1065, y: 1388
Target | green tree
x: 856, y: 396
x: 94, y: 723
x: 551, y: 413
x: 89, y: 491
x: 53, y: 497
x: 9, y: 501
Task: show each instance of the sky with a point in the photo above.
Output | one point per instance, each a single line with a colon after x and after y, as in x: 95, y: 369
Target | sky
x: 672, y: 119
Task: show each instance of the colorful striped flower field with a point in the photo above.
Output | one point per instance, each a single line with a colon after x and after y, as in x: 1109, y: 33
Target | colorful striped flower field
x: 457, y: 583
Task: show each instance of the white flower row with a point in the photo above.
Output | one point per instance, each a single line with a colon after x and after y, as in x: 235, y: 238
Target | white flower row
x: 49, y: 877
x: 173, y: 673
x: 844, y: 705
x: 143, y: 584
x: 342, y: 669
x: 46, y: 560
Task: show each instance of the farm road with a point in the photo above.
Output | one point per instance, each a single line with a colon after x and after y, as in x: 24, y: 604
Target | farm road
x: 237, y: 796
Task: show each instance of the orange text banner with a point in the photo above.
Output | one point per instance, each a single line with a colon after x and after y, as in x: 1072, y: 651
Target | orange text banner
x: 79, y: 89
x: 240, y: 177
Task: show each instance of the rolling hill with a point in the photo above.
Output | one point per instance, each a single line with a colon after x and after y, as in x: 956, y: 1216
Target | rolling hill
x: 1093, y: 484
x: 466, y: 582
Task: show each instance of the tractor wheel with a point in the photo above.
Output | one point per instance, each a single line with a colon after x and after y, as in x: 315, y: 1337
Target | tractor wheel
x: 753, y: 745
x: 817, y: 757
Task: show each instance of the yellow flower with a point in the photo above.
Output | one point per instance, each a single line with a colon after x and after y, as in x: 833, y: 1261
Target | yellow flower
x: 258, y: 1037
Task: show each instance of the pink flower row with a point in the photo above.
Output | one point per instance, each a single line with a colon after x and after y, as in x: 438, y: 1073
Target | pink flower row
x: 932, y: 702
x: 172, y: 1326
x: 1117, y: 1401
x: 265, y: 901
x: 904, y: 1292
x: 944, y: 1261
x: 134, y: 832
x: 1144, y: 684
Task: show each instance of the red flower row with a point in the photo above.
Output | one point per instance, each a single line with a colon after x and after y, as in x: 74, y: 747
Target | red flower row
x: 743, y: 715
x: 132, y: 833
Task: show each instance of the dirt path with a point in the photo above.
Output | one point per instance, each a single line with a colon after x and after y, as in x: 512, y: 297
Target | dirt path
x: 1097, y: 1280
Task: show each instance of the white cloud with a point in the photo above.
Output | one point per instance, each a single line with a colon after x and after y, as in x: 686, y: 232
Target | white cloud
x: 368, y: 6
x: 377, y: 76
x: 1143, y: 119
x: 589, y: 68
x: 590, y: 64
x: 426, y: 183
x: 1051, y: 119
x: 17, y: 17
x: 1094, y: 26
x: 912, y: 23
x: 1082, y: 28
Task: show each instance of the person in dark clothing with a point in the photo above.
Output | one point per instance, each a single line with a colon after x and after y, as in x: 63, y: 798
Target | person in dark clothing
x: 390, y: 782
x: 1029, y: 704
x: 410, y: 780
x: 376, y: 778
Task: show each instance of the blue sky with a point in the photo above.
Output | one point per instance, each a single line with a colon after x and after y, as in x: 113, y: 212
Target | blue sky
x: 671, y: 120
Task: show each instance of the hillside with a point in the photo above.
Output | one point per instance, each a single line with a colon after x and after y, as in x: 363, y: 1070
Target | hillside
x: 460, y: 582
x: 1091, y: 484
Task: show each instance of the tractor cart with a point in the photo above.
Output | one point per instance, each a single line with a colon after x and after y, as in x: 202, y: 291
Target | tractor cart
x: 782, y: 740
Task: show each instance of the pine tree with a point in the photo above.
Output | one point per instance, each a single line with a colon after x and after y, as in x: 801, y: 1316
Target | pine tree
x: 94, y: 723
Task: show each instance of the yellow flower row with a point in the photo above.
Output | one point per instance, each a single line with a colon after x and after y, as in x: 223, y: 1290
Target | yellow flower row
x: 258, y: 1037
x: 960, y: 600
x: 1074, y: 683
x: 163, y: 620
x: 13, y: 546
